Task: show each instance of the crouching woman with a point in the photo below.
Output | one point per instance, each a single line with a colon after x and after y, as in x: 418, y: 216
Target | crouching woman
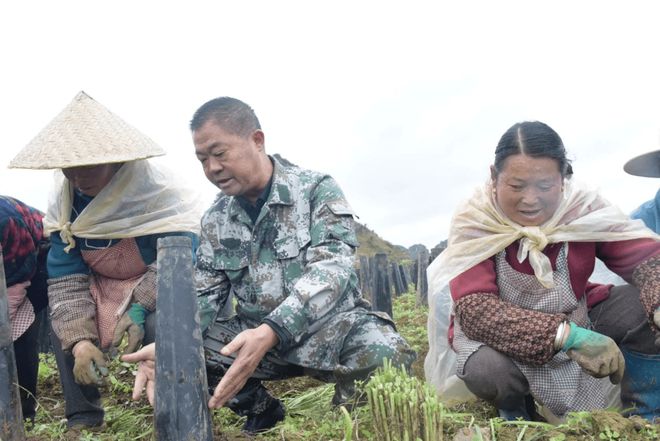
x: 527, y: 324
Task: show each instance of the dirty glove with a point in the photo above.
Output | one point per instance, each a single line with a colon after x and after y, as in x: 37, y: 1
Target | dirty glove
x: 132, y: 324
x: 89, y: 366
x: 596, y: 353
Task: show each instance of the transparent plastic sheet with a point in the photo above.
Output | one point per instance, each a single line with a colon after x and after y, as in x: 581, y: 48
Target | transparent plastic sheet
x: 440, y: 362
x: 142, y: 198
x: 603, y: 275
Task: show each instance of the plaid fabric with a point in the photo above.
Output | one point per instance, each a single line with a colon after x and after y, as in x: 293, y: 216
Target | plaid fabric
x: 21, y: 232
x: 22, y: 320
x: 647, y: 279
x: 116, y: 271
x: 72, y: 310
x: 145, y: 291
x: 560, y: 384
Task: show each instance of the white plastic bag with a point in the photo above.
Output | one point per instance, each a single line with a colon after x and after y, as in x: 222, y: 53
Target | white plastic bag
x: 440, y: 362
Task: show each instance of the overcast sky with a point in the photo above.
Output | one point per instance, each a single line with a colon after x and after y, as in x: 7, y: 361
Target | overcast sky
x: 402, y: 102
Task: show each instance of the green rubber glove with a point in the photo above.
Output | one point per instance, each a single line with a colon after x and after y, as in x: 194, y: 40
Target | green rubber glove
x: 596, y: 353
x: 131, y: 324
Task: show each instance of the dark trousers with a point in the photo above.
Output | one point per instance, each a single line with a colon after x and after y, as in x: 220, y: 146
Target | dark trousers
x: 83, y: 403
x: 492, y: 376
x: 26, y: 351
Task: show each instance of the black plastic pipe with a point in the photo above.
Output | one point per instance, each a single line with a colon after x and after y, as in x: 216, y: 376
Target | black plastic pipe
x: 181, y: 411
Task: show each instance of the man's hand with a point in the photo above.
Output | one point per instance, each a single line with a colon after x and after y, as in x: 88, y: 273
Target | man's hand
x: 131, y: 324
x: 145, y: 379
x: 596, y: 353
x: 250, y: 345
x: 89, y: 366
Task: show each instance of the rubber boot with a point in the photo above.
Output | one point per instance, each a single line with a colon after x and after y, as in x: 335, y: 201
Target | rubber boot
x: 640, y: 387
x: 261, y: 409
x: 526, y: 411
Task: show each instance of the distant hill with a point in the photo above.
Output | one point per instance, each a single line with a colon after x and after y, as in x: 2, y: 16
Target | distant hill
x: 371, y: 243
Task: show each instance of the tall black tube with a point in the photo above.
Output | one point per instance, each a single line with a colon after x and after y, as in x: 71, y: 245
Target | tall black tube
x: 181, y: 411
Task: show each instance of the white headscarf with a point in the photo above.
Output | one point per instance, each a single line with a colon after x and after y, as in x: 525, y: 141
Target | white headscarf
x: 142, y: 198
x: 480, y: 230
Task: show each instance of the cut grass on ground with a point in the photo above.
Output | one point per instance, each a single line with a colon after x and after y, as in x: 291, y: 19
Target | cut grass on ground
x: 310, y: 415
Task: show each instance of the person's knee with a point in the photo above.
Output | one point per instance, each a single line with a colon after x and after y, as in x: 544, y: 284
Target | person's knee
x: 623, y: 318
x: 622, y: 311
x: 493, y: 376
x: 399, y: 355
x: 377, y: 342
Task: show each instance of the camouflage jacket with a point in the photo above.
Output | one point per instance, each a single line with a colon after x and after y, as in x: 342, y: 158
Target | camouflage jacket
x: 292, y: 269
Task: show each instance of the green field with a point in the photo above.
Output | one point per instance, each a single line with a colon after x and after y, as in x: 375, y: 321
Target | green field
x: 310, y: 415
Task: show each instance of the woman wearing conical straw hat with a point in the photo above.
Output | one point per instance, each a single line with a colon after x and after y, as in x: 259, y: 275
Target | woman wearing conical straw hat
x: 108, y: 207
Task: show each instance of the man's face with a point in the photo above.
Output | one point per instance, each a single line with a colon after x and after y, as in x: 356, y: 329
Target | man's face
x: 91, y: 179
x: 231, y: 162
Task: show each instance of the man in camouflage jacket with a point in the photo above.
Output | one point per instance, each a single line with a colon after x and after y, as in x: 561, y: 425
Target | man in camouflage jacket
x: 282, y: 240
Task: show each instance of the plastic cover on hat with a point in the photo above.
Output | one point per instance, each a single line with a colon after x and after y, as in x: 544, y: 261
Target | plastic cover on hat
x: 142, y: 198
x: 85, y: 133
x: 646, y: 165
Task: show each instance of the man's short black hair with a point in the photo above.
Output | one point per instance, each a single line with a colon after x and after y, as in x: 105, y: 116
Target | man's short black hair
x: 229, y: 113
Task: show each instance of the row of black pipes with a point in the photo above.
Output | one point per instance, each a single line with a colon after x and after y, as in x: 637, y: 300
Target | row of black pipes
x: 180, y: 410
x: 380, y: 280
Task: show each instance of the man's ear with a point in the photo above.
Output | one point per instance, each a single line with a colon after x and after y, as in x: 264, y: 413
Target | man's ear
x: 259, y: 139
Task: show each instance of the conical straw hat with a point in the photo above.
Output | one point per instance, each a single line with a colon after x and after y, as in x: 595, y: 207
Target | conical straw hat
x: 85, y: 133
x: 647, y: 165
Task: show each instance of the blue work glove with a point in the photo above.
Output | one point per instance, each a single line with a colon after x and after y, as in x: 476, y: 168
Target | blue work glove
x: 596, y: 353
x: 131, y: 324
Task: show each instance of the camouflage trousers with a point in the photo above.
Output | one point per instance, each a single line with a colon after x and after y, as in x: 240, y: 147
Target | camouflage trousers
x: 371, y: 338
